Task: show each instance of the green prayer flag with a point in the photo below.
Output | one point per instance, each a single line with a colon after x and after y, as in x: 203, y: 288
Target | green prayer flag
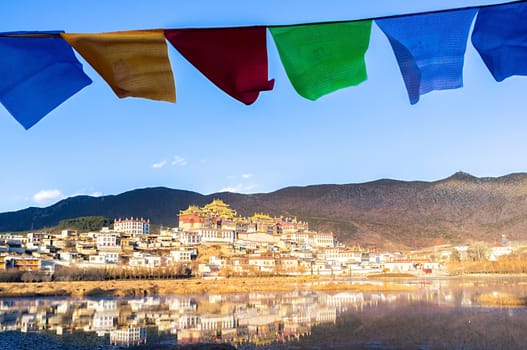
x: 322, y: 58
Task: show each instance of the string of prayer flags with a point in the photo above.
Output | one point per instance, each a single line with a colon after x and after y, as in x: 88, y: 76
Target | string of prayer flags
x: 133, y: 63
x: 38, y: 72
x: 234, y: 59
x: 430, y: 49
x: 322, y: 58
x: 500, y: 37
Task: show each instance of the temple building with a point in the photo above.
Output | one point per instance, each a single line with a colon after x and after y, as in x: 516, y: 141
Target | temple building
x: 219, y: 215
x: 262, y: 223
x: 216, y: 215
x: 191, y: 218
x: 217, y: 222
x: 132, y: 226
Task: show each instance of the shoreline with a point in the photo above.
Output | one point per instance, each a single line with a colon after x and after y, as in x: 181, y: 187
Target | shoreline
x: 122, y: 288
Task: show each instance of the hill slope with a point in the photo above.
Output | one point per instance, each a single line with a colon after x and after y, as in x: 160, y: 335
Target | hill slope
x: 383, y: 212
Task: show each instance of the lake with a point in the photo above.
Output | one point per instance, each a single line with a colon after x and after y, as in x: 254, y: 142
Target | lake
x: 437, y: 314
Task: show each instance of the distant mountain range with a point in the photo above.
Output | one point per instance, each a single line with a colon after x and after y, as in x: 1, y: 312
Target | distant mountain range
x: 386, y: 213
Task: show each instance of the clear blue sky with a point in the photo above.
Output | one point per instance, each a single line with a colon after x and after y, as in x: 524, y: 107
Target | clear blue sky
x: 97, y: 144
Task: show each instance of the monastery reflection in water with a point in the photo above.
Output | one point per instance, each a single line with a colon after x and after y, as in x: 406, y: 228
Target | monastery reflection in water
x: 258, y: 318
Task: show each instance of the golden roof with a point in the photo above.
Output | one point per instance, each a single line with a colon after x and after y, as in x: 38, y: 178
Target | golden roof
x: 262, y: 217
x: 192, y: 209
x: 218, y: 208
x: 216, y: 203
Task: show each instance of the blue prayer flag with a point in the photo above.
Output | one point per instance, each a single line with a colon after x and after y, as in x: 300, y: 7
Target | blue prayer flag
x: 500, y: 37
x: 38, y: 71
x: 430, y: 49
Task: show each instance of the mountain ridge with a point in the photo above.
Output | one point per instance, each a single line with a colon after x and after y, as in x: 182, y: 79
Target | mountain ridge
x: 383, y: 212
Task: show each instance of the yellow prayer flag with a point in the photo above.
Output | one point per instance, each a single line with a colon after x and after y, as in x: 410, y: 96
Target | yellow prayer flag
x: 133, y: 63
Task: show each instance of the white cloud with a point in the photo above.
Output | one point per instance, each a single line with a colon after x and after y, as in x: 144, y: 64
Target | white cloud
x: 242, y: 186
x: 239, y: 188
x: 96, y: 194
x: 48, y: 196
x: 178, y: 160
x: 160, y: 164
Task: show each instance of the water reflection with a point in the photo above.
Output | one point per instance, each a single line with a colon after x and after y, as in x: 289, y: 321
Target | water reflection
x: 256, y: 319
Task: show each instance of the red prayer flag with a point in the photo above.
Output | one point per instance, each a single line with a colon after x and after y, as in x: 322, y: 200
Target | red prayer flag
x: 235, y: 59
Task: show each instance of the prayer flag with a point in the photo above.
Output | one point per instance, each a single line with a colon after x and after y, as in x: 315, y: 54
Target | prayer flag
x: 322, y: 58
x: 500, y: 37
x: 430, y: 49
x: 133, y: 63
x: 234, y: 59
x: 38, y: 71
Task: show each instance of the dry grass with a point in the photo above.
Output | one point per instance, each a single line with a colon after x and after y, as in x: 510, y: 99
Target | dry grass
x: 190, y: 286
x: 146, y: 287
x: 514, y: 264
